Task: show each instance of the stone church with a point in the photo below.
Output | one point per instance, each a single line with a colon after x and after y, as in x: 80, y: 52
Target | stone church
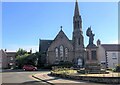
x: 63, y: 49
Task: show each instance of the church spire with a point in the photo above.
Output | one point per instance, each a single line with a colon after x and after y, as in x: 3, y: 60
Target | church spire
x: 76, y: 11
x: 78, y: 39
x: 77, y: 21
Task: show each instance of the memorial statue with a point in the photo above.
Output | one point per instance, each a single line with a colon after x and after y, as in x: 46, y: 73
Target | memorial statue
x: 90, y: 35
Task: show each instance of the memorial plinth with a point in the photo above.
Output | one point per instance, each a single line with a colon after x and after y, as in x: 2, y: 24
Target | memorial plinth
x: 91, y: 63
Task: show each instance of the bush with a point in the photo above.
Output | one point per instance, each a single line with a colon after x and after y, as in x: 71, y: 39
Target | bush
x: 66, y: 64
x: 47, y: 67
x: 110, y: 69
x: 117, y: 69
x: 61, y: 64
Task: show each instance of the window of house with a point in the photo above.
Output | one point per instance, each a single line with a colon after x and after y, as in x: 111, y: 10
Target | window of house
x: 114, y: 56
x: 61, y: 52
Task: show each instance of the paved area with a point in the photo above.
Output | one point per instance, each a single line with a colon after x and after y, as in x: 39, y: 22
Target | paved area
x: 51, y: 79
x: 41, y: 77
x: 56, y: 80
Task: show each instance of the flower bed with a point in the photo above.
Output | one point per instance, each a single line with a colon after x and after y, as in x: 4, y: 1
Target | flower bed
x: 98, y: 79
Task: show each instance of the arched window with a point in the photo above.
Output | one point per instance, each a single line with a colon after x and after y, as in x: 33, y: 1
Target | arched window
x: 56, y: 52
x: 61, y: 52
x: 66, y: 53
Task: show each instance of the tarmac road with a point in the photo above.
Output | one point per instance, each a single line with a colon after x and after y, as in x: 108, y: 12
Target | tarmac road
x: 21, y: 77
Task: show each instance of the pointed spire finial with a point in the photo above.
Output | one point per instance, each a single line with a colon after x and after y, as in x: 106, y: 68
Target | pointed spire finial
x: 90, y: 26
x: 76, y: 12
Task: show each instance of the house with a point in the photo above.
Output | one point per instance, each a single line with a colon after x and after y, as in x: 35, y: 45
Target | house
x: 3, y: 59
x: 7, y: 59
x: 11, y: 58
x: 109, y: 54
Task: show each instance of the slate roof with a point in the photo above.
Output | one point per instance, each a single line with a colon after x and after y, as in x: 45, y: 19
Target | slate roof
x: 2, y: 52
x: 44, y: 44
x: 111, y: 47
x: 11, y: 53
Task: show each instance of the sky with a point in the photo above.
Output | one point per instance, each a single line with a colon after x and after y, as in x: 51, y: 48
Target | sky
x: 24, y: 23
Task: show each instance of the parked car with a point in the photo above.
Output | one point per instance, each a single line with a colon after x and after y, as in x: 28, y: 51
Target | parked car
x: 29, y: 68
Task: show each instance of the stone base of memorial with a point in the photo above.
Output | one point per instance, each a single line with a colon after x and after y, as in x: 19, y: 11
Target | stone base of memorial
x: 93, y: 68
x: 92, y: 65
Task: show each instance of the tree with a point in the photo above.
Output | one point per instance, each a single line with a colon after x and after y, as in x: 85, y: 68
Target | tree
x: 32, y: 59
x: 25, y: 58
x: 21, y: 52
x: 21, y: 60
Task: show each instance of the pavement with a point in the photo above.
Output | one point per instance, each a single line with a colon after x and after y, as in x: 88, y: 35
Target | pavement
x: 56, y: 80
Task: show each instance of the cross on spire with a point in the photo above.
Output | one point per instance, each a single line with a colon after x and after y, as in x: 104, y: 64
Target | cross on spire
x: 61, y: 27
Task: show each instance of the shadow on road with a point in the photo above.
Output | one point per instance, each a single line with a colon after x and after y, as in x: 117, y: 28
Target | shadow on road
x: 21, y: 70
x: 26, y: 83
x: 34, y: 83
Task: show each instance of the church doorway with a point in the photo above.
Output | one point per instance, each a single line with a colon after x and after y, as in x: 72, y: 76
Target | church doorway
x: 80, y: 62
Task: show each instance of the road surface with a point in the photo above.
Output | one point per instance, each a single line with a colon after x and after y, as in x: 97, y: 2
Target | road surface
x: 25, y: 78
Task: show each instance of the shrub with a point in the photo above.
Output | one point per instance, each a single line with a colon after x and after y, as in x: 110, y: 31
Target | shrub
x: 117, y: 69
x: 61, y: 64
x: 47, y: 67
x: 110, y: 69
x: 66, y: 64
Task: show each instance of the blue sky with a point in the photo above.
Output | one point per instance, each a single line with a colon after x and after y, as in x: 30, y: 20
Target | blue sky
x: 24, y: 23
